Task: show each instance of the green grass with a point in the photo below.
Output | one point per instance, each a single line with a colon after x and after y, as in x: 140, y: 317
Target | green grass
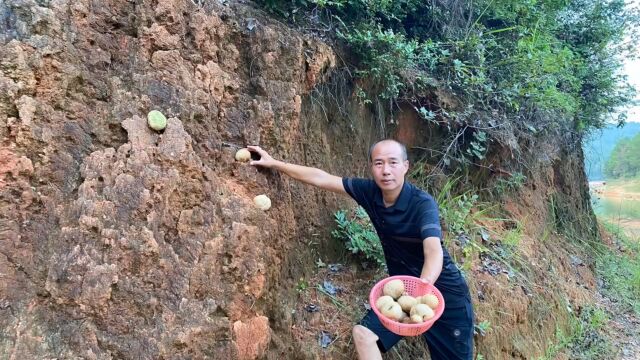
x: 620, y: 272
x: 512, y: 237
x: 583, y: 339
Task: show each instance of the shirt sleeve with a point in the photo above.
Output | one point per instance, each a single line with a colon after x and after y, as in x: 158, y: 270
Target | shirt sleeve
x: 359, y: 189
x: 429, y: 219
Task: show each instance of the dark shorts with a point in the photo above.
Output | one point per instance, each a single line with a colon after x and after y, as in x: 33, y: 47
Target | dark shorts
x: 451, y: 337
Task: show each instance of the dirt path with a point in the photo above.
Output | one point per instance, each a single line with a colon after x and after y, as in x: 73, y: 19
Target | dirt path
x: 623, y: 329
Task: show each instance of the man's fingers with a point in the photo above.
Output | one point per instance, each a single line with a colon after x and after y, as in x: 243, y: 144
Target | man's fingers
x: 264, y: 156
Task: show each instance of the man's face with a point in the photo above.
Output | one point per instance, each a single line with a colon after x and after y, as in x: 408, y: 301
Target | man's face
x: 388, y: 167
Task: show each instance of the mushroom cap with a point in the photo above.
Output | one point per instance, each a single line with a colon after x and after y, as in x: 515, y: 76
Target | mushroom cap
x: 262, y: 202
x: 243, y: 155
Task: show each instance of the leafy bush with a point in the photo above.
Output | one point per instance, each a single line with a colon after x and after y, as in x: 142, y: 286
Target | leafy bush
x: 519, y: 57
x: 359, y: 235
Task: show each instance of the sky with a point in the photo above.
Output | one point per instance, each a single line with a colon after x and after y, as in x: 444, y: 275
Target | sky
x: 632, y: 69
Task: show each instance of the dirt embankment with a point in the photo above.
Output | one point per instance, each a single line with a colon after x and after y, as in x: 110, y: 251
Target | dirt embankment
x: 120, y: 242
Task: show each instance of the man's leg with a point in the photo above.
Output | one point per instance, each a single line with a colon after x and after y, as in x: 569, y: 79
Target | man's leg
x: 451, y: 337
x: 372, y: 338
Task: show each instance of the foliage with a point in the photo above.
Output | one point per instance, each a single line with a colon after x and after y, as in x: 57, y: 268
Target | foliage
x: 302, y: 285
x: 455, y: 210
x: 513, y: 183
x: 477, y: 147
x: 624, y: 161
x: 482, y: 327
x: 359, y: 235
x: 520, y: 57
x: 513, y: 236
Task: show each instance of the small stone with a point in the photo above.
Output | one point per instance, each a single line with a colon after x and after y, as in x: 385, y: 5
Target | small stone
x: 156, y: 120
x: 312, y: 308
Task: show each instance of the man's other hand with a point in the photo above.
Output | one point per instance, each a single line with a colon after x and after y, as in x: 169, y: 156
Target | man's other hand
x: 265, y: 159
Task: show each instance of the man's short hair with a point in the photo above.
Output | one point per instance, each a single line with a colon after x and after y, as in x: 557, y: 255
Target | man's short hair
x: 402, y: 147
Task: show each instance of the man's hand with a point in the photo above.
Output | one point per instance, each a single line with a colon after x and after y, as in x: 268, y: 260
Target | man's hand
x: 265, y: 159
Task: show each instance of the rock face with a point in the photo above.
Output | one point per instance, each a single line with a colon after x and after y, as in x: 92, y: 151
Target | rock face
x: 120, y: 242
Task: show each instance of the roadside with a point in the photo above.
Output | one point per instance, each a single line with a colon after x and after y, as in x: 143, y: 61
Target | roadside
x: 623, y: 328
x: 619, y: 291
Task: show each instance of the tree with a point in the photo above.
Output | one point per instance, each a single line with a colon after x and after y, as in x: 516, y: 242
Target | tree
x: 624, y: 161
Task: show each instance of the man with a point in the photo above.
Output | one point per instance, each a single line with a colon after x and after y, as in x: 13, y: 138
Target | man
x: 406, y: 220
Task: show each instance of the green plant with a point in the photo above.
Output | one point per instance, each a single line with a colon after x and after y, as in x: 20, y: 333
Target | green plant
x: 514, y: 182
x: 455, y: 210
x: 302, y: 285
x: 477, y: 146
x: 513, y: 236
x: 482, y: 328
x: 384, y: 55
x: 584, y: 338
x: 587, y: 338
x: 359, y: 235
x: 362, y: 96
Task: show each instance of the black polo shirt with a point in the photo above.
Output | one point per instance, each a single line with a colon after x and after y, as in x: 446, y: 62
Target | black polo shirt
x: 402, y: 229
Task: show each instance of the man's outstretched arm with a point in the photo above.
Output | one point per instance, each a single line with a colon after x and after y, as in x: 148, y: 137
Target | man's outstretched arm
x: 305, y: 174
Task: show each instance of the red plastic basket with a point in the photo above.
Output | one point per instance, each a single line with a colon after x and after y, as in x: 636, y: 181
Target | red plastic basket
x: 414, y: 287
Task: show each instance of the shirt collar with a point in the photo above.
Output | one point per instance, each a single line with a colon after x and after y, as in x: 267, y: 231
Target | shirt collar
x: 403, y: 199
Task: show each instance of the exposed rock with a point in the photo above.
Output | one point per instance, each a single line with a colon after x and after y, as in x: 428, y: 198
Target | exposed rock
x: 122, y: 242
x: 251, y: 337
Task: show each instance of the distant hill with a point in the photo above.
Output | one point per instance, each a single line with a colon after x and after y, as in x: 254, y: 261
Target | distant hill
x: 598, y: 147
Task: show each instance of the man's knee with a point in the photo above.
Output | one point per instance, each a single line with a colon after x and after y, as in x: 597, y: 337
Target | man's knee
x: 362, y: 335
